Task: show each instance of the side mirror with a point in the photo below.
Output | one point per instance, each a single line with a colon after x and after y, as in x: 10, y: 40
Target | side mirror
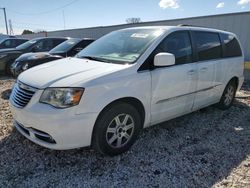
x: 34, y: 49
x: 78, y: 49
x: 164, y: 59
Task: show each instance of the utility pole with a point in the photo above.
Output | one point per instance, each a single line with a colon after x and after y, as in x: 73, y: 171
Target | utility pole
x: 5, y: 18
x: 10, y: 27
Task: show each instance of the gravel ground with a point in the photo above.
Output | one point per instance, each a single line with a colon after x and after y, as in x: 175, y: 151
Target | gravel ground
x: 208, y: 148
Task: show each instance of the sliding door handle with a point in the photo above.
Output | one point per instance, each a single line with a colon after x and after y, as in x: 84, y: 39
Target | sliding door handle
x: 204, y: 69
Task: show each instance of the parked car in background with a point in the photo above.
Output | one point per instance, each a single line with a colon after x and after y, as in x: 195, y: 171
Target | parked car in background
x: 11, y: 42
x: 68, y: 48
x: 125, y: 81
x: 2, y: 36
x: 8, y: 56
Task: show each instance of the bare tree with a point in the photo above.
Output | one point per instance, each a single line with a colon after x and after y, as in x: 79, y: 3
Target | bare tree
x: 133, y: 20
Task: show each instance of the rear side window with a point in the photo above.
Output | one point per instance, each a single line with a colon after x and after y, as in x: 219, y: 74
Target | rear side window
x: 208, y: 45
x: 232, y: 46
x: 18, y: 42
x: 7, y: 44
x: 179, y: 44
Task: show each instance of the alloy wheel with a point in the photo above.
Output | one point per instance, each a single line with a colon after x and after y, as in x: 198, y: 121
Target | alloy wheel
x: 120, y: 130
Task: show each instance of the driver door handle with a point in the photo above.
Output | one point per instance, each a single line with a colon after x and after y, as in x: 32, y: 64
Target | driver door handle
x: 191, y: 72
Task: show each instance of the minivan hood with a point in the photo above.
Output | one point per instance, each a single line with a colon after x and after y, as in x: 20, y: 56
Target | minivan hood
x: 67, y: 72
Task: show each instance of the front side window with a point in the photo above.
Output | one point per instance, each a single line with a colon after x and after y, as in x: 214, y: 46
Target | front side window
x: 232, y: 46
x: 121, y: 47
x: 43, y: 45
x: 208, y: 45
x: 179, y: 44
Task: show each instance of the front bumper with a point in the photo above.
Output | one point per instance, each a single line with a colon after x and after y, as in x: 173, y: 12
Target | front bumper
x: 67, y: 129
x: 15, y: 70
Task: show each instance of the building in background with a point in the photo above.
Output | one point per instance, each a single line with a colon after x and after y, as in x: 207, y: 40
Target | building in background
x: 238, y: 23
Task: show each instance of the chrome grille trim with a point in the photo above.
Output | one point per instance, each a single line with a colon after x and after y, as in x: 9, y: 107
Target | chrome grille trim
x: 21, y: 94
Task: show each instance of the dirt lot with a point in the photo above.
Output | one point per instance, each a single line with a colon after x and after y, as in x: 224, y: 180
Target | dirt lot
x: 208, y: 148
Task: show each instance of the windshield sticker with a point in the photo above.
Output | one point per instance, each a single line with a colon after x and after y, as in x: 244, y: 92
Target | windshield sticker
x: 139, y: 35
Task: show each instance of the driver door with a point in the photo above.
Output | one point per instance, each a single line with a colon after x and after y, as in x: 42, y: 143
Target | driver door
x: 173, y: 87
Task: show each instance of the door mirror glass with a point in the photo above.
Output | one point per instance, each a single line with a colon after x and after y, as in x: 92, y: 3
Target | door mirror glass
x: 164, y: 59
x: 35, y: 49
x: 78, y: 49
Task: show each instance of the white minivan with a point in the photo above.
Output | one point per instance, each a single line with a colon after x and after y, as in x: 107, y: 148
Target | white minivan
x: 123, y: 82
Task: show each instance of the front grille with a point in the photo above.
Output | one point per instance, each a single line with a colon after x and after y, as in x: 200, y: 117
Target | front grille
x: 21, y: 94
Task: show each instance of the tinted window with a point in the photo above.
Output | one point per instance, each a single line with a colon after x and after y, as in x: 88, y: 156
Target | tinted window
x: 208, y: 45
x: 18, y: 42
x: 46, y: 44
x: 178, y: 44
x: 7, y: 44
x: 232, y: 47
x: 81, y: 45
x: 43, y: 45
x: 58, y: 41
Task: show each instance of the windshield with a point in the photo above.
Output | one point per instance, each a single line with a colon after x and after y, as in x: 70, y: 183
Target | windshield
x: 26, y: 44
x: 121, y: 47
x: 65, y: 46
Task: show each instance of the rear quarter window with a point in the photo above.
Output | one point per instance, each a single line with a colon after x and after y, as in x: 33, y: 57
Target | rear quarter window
x: 208, y: 45
x: 231, y: 46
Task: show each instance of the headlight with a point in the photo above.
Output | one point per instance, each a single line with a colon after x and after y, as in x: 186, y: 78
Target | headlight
x: 14, y: 65
x: 25, y: 66
x: 3, y: 55
x: 62, y: 97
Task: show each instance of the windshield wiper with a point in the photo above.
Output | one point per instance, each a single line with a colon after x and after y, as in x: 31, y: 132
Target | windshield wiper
x: 96, y: 59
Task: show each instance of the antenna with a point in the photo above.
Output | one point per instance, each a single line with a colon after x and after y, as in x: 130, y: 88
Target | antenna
x: 63, y: 19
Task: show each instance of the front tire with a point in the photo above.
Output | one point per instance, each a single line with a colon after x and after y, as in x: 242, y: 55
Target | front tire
x: 116, y: 129
x: 228, y: 96
x: 7, y: 68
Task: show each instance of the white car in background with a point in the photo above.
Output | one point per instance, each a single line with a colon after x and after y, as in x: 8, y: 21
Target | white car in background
x: 125, y: 81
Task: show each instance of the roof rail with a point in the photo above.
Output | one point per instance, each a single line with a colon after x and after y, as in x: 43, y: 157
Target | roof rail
x: 187, y: 25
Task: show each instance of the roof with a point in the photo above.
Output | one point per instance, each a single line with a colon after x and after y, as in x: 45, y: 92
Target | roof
x: 179, y: 27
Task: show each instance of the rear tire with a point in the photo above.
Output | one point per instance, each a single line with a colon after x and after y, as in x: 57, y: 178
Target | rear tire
x: 228, y: 96
x: 116, y: 129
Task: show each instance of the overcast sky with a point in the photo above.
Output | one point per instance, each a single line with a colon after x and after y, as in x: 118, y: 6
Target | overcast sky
x: 48, y: 14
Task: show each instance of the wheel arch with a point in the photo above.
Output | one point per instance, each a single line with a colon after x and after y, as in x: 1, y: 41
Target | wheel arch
x: 235, y: 79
